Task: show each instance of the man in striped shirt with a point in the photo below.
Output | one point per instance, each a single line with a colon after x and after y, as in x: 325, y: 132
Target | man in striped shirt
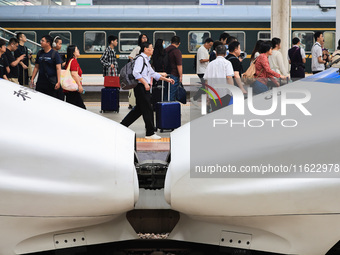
x: 108, y: 59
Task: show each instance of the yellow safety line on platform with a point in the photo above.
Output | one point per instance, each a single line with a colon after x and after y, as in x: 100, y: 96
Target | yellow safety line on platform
x: 162, y: 140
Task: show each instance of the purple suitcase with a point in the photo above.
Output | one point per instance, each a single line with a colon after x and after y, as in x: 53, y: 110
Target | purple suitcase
x: 168, y: 114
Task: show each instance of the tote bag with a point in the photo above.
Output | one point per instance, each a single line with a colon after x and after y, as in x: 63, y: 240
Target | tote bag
x: 67, y: 82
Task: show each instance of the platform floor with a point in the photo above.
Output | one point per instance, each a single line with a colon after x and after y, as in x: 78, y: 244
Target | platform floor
x: 139, y: 128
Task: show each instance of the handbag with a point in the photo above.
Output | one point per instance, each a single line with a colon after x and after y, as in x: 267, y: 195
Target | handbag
x: 112, y: 81
x: 248, y: 76
x: 66, y: 80
x: 181, y: 95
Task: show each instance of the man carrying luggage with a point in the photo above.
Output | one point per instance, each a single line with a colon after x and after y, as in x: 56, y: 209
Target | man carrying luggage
x: 108, y: 59
x: 142, y: 91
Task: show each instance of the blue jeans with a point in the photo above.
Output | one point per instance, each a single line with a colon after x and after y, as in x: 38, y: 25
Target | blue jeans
x: 259, y: 87
x: 173, y: 87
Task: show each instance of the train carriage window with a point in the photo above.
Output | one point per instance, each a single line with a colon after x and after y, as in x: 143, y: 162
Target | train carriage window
x: 264, y: 36
x: 65, y: 36
x: 196, y: 39
x: 128, y: 41
x: 94, y: 41
x: 30, y: 35
x: 306, y: 39
x: 241, y: 38
x: 330, y: 40
x: 164, y: 35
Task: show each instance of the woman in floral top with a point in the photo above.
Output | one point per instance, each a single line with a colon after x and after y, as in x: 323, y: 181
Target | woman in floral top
x: 263, y: 70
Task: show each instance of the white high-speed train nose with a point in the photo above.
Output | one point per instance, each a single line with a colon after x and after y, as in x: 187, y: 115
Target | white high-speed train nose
x: 246, y: 182
x: 62, y: 170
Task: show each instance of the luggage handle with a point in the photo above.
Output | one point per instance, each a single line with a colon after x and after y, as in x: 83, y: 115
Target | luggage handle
x: 162, y: 94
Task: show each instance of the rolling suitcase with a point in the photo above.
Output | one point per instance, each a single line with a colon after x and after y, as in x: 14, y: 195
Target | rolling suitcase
x: 110, y: 100
x: 111, y: 81
x: 168, y: 114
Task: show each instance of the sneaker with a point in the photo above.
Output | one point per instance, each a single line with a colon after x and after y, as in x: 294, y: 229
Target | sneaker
x: 154, y: 136
x: 193, y: 102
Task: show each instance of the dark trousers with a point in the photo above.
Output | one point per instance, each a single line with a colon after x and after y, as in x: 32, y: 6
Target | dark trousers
x: 315, y: 72
x: 200, y: 92
x: 48, y: 89
x: 143, y: 108
x: 74, y: 97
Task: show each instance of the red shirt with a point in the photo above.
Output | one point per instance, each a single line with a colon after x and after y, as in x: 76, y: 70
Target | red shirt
x: 262, y: 63
x: 75, y: 66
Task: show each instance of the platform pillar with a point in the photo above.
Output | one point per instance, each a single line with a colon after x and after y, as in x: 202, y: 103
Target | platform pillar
x: 281, y: 25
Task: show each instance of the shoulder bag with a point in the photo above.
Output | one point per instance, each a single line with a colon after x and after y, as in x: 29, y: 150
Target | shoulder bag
x: 66, y: 80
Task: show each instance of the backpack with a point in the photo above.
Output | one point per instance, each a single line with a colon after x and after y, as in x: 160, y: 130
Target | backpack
x: 126, y: 78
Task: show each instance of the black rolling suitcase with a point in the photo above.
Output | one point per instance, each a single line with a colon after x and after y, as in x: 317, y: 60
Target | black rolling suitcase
x: 156, y: 94
x: 168, y: 114
x: 110, y: 100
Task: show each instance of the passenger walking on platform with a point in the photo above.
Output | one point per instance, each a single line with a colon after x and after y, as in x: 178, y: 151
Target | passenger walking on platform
x: 12, y: 61
x: 318, y: 64
x: 74, y: 97
x: 23, y: 65
x: 233, y: 57
x: 218, y: 74
x: 256, y: 51
x: 175, y: 61
x: 263, y: 70
x: 3, y: 61
x: 212, y: 55
x: 141, y: 39
x: 142, y: 91
x: 276, y: 60
x: 223, y: 39
x: 230, y: 39
x: 48, y: 64
x: 108, y: 59
x: 336, y: 57
x: 297, y: 60
x: 202, y: 61
x: 158, y: 57
x: 56, y: 45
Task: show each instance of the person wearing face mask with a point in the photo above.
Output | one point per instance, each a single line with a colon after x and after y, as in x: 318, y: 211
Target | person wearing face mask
x: 158, y: 56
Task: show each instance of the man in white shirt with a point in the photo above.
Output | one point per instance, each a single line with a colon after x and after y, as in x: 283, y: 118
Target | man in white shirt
x: 203, y: 57
x: 202, y: 61
x: 318, y: 64
x: 218, y: 74
x: 143, y: 72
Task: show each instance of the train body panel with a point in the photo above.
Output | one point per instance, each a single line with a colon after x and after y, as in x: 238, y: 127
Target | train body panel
x: 293, y: 207
x: 61, y: 167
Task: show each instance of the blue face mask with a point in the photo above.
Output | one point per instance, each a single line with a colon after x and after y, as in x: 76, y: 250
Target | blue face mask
x: 164, y: 45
